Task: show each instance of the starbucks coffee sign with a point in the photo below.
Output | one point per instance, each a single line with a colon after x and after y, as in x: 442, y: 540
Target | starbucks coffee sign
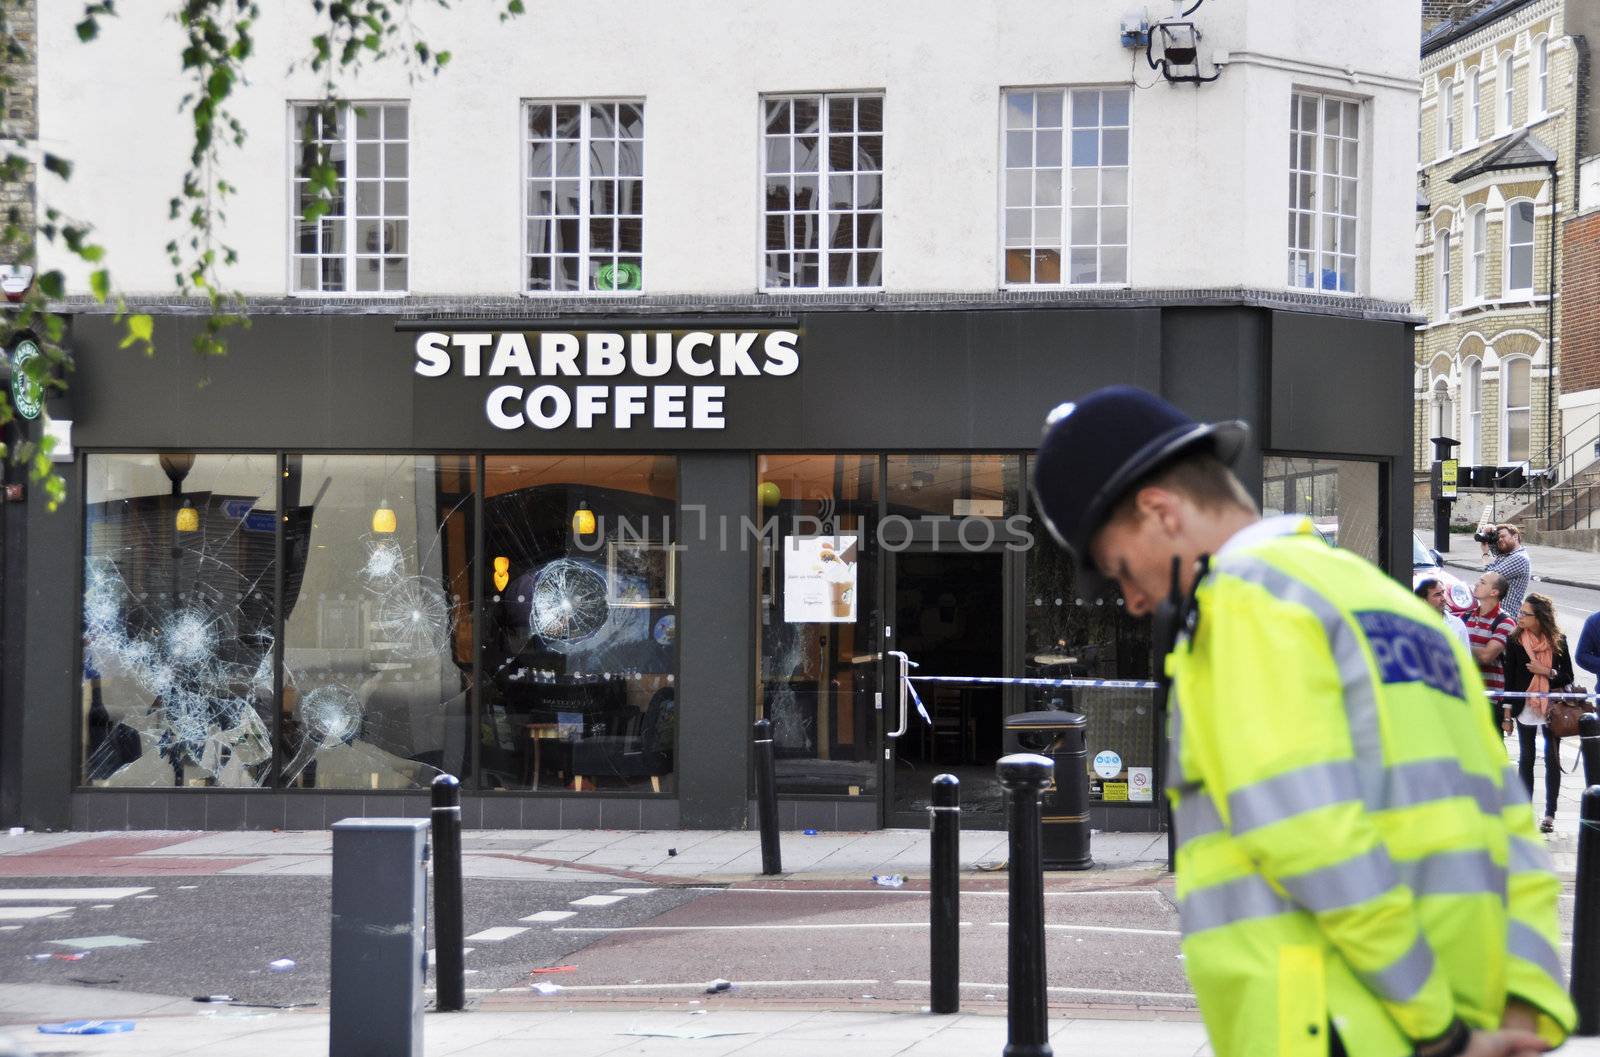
x: 27, y: 394
x: 666, y: 379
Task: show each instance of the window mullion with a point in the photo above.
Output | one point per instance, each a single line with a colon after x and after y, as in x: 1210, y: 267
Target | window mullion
x: 824, y: 178
x: 584, y: 133
x: 347, y: 184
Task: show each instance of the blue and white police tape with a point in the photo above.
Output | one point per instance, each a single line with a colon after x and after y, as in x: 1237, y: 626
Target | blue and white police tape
x: 1146, y: 684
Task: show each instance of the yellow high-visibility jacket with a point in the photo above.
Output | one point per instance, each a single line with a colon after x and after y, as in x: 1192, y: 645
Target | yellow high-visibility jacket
x: 1352, y: 844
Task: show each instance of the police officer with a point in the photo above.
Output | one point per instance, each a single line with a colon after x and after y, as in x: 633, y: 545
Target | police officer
x: 1357, y: 867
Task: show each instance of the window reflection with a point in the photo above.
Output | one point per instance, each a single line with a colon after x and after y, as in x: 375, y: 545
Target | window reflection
x: 579, y: 655
x: 819, y: 615
x: 1339, y: 495
x: 377, y: 662
x: 178, y: 620
x: 1069, y: 638
x: 953, y: 485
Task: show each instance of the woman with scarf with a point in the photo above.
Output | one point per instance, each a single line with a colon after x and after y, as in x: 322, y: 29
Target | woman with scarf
x: 1537, y: 661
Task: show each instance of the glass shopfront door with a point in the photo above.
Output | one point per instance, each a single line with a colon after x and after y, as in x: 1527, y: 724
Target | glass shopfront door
x: 950, y: 615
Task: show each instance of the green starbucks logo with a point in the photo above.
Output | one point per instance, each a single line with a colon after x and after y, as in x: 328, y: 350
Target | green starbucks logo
x: 618, y: 277
x: 27, y: 395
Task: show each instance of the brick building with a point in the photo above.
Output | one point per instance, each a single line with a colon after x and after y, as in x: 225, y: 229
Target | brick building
x: 1503, y: 88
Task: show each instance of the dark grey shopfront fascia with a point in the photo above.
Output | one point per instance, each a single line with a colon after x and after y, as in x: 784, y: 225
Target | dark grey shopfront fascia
x: 333, y: 402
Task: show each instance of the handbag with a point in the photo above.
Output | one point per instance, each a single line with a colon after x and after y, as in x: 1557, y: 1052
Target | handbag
x: 1563, y: 716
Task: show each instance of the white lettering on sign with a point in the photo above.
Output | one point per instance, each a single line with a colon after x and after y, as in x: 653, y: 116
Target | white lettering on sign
x: 607, y: 354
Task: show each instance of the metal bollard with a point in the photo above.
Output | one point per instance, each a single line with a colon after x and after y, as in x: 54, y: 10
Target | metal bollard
x: 379, y: 949
x: 1586, y: 918
x: 767, y: 800
x: 1589, y: 747
x: 450, y: 981
x: 944, y: 884
x: 1025, y: 777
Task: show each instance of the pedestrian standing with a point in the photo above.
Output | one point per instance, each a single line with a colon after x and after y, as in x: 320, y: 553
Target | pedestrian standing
x: 1537, y: 662
x: 1433, y: 592
x: 1342, y: 820
x: 1489, y: 627
x: 1510, y: 559
x: 1589, y: 645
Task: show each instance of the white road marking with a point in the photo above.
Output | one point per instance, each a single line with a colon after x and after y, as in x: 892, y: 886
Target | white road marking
x: 1098, y: 928
x: 433, y: 954
x: 101, y: 906
x: 834, y: 926
x: 550, y: 915
x: 45, y: 895
x: 700, y: 985
x: 30, y: 913
x: 596, y: 901
x: 496, y: 934
x: 906, y: 892
x: 10, y: 928
x: 144, y: 897
x: 1182, y: 995
x: 633, y: 891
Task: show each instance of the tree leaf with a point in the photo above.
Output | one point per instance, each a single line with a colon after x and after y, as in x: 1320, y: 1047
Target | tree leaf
x: 100, y: 283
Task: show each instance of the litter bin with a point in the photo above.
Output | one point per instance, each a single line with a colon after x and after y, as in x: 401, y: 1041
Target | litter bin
x: 1062, y: 737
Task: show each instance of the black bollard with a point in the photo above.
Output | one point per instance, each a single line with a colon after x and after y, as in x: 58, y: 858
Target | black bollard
x: 1589, y: 747
x: 767, y: 800
x: 944, y: 889
x: 449, y: 970
x: 1025, y: 777
x: 1586, y: 918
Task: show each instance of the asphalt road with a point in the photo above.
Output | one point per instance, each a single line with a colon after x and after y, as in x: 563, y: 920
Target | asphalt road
x: 218, y: 935
x: 1111, y: 940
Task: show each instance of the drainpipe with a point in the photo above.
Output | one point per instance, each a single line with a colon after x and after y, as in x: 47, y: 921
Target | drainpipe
x: 1550, y: 434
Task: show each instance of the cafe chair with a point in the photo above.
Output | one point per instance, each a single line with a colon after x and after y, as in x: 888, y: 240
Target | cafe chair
x: 644, y: 750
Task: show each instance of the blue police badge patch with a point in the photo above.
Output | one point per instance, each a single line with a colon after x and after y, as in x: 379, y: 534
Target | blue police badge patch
x: 1409, y: 651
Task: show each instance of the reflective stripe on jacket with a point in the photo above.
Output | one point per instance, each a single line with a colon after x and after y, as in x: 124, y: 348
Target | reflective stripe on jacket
x: 1351, y: 842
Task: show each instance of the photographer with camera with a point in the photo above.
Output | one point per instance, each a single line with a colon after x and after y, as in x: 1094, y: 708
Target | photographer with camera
x: 1503, y: 548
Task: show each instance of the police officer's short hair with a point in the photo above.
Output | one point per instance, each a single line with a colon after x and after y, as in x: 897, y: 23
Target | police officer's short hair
x: 1200, y: 476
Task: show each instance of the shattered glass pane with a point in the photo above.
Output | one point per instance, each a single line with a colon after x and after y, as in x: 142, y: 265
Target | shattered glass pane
x: 178, y: 618
x: 377, y: 638
x: 579, y: 652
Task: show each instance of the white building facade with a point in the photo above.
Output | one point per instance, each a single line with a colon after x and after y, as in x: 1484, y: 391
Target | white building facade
x: 1207, y: 191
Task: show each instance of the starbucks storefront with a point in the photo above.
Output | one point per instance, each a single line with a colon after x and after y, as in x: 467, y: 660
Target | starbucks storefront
x: 571, y: 560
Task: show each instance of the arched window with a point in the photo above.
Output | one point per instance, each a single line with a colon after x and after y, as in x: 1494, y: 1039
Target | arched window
x: 1508, y: 92
x: 1442, y: 419
x: 1447, y: 116
x: 1541, y: 76
x: 1477, y: 254
x: 1441, y: 260
x: 1516, y: 387
x: 1472, y: 412
x: 1474, y: 107
x: 1519, y: 247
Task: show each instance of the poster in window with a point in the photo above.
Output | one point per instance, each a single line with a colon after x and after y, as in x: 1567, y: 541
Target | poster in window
x: 819, y: 580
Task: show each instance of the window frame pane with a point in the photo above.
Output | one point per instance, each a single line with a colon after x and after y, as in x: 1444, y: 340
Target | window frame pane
x: 366, y: 136
x: 839, y: 150
x: 1081, y: 197
x: 603, y: 156
x: 1319, y: 256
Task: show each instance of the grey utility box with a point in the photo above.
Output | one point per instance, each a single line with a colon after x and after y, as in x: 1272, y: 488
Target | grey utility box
x: 380, y: 946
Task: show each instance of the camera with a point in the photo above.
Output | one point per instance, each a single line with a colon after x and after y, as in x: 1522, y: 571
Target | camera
x: 1486, y: 535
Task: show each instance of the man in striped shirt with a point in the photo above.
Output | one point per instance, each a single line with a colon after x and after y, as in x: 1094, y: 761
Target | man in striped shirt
x: 1489, y: 626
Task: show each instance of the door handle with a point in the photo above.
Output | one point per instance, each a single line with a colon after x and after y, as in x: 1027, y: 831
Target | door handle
x: 905, y: 670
